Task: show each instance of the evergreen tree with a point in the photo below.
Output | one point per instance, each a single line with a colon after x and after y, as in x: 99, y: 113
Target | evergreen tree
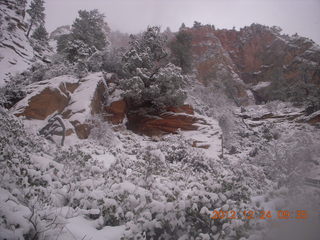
x: 182, y: 27
x: 41, y: 34
x: 36, y: 12
x: 145, y: 52
x: 151, y: 81
x: 88, y: 35
x: 62, y: 42
x: 197, y: 24
x: 181, y: 50
x: 91, y: 29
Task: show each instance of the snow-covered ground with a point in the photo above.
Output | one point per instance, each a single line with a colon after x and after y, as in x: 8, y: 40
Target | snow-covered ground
x: 115, y: 187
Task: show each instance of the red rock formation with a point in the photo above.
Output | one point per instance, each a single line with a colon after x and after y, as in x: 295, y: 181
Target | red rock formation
x: 162, y: 124
x: 213, y: 63
x: 76, y: 101
x: 44, y: 104
x: 182, y: 109
x: 116, y: 112
x: 256, y: 54
x: 262, y: 54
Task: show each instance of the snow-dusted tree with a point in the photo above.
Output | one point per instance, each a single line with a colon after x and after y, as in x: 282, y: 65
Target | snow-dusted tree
x: 150, y: 79
x: 88, y: 35
x: 77, y: 49
x: 36, y: 12
x: 146, y: 52
x: 91, y: 28
x: 41, y: 34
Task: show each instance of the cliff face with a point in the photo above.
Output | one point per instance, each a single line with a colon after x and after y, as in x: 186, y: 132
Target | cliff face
x: 256, y: 58
x: 259, y: 50
x: 213, y: 64
x: 16, y: 52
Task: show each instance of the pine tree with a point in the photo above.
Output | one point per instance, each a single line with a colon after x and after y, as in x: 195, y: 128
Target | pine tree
x: 36, y: 12
x: 182, y: 27
x: 181, y: 50
x: 151, y: 81
x: 40, y: 33
x: 91, y: 29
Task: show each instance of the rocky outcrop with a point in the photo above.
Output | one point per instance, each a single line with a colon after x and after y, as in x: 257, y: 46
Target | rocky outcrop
x: 76, y: 101
x: 16, y: 52
x: 58, y: 32
x: 262, y: 55
x: 256, y: 58
x: 45, y: 103
x: 116, y: 111
x: 164, y: 123
x: 313, y: 119
x: 214, y: 66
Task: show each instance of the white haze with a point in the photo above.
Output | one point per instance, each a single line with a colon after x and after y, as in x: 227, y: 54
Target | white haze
x: 132, y: 16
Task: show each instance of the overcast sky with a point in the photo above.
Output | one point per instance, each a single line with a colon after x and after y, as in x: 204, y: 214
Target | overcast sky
x: 293, y: 16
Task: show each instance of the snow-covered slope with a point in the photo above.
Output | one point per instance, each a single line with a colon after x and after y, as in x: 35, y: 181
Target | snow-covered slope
x: 16, y: 53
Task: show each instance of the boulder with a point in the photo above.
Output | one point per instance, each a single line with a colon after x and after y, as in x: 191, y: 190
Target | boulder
x: 76, y: 100
x: 44, y: 104
x: 45, y: 98
x: 164, y: 123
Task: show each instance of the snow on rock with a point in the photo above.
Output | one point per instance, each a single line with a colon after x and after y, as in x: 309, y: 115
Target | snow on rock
x: 46, y: 97
x: 16, y: 53
x: 261, y: 85
x: 76, y: 100
x: 86, y: 101
x: 58, y: 32
x: 208, y: 136
x: 213, y: 63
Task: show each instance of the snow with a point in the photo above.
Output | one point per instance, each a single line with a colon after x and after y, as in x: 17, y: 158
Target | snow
x: 81, y: 228
x: 36, y: 88
x: 81, y: 99
x: 139, y: 182
x: 43, y: 162
x: 16, y: 52
x: 107, y: 159
x: 261, y: 85
x: 10, y: 64
x: 208, y: 134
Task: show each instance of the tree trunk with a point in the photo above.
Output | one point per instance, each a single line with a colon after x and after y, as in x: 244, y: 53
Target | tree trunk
x: 29, y: 30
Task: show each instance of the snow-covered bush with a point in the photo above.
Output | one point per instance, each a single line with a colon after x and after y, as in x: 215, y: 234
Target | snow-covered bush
x: 23, y: 183
x: 163, y: 89
x: 162, y: 195
x: 102, y: 132
x: 12, y: 92
x: 77, y: 49
x: 112, y: 61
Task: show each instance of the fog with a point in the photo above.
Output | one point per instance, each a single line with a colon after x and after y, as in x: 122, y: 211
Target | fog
x: 132, y: 16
